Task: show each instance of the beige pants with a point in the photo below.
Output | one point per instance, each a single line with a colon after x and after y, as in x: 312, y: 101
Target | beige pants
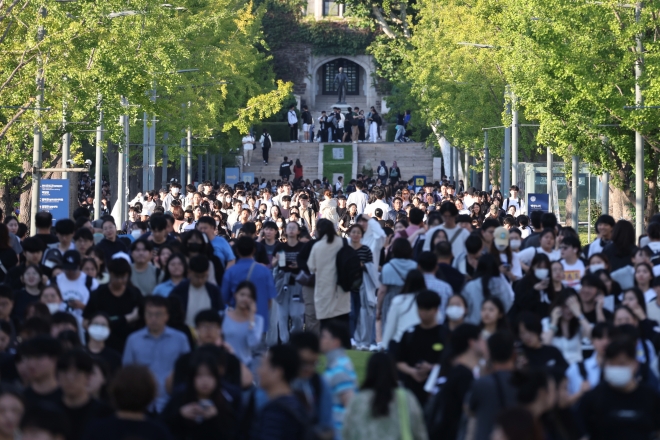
x: 247, y: 156
x: 355, y: 132
x: 311, y: 323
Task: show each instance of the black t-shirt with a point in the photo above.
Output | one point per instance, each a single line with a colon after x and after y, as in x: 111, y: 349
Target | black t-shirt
x: 607, y: 413
x: 34, y: 398
x: 80, y: 417
x: 591, y: 316
x: 421, y: 345
x: 112, y: 358
x: 109, y: 248
x: 47, y: 238
x: 285, y: 169
x: 547, y: 356
x: 459, y: 382
x: 113, y: 428
x: 116, y: 307
x: 291, y: 253
x: 21, y: 301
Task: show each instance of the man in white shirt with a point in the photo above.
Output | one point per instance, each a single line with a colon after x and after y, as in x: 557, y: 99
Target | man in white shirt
x: 573, y: 266
x: 174, y: 194
x: 604, y: 226
x: 248, y: 147
x: 514, y: 200
x: 74, y: 285
x: 379, y: 203
x: 292, y: 117
x: 585, y: 375
x: 359, y: 197
x: 455, y: 234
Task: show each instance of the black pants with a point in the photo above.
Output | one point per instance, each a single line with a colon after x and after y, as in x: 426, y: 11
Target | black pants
x: 264, y: 151
x: 293, y: 132
x: 338, y: 133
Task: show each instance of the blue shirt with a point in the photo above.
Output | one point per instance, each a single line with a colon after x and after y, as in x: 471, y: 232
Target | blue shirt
x: 158, y: 353
x: 261, y: 277
x: 341, y: 377
x: 164, y: 288
x: 222, y: 250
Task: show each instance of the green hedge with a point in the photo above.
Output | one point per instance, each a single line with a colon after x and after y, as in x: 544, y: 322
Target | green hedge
x: 391, y: 132
x: 279, y: 131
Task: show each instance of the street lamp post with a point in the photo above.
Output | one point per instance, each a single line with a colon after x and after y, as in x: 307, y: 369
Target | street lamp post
x: 38, y: 136
x: 99, y: 164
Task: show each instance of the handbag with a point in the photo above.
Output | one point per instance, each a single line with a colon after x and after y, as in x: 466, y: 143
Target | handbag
x: 305, y: 279
x: 404, y: 415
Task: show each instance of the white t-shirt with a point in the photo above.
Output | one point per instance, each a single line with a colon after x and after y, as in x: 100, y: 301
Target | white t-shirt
x: 456, y: 237
x: 371, y: 208
x: 573, y: 273
x: 527, y: 255
x: 517, y: 202
x: 75, y: 290
x: 198, y: 300
x: 250, y: 143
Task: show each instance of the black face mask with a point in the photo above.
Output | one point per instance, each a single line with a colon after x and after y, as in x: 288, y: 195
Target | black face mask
x: 195, y: 247
x: 189, y: 220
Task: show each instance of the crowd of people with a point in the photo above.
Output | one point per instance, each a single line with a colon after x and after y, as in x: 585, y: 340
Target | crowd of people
x: 334, y: 126
x: 207, y: 313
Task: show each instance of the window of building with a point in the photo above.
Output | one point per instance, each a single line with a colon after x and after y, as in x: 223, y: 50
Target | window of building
x: 351, y: 70
x: 331, y: 9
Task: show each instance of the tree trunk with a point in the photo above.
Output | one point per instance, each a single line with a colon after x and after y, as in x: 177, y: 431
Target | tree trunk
x: 621, y: 200
x: 569, y: 204
x: 651, y: 207
x: 26, y: 195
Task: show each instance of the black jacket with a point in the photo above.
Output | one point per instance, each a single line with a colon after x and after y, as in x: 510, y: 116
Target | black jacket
x: 181, y: 293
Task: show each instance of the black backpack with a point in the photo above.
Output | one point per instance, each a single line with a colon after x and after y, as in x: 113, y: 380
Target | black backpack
x: 349, y: 269
x: 267, y: 143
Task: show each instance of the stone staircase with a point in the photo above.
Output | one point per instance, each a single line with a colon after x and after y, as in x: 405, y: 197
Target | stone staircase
x: 327, y: 102
x: 413, y: 158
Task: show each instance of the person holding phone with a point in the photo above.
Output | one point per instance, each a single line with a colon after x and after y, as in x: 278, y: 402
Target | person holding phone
x: 534, y: 292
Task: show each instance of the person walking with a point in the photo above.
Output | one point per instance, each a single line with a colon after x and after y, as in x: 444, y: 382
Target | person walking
x: 374, y: 121
x: 285, y: 168
x: 382, y: 410
x: 331, y: 302
x: 293, y: 124
x: 248, y: 147
x: 266, y: 143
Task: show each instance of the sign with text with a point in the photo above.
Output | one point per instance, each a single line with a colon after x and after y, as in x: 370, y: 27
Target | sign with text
x: 338, y: 153
x: 231, y: 176
x: 54, y: 198
x: 538, y: 202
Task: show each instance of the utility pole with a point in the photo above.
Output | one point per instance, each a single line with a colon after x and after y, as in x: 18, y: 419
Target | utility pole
x: 99, y: 164
x: 121, y: 166
x: 639, y: 141
x: 38, y: 136
x: 514, y: 142
x: 189, y: 159
x: 486, y: 178
x: 66, y: 143
x: 574, y: 191
x: 506, y: 163
x: 549, y: 182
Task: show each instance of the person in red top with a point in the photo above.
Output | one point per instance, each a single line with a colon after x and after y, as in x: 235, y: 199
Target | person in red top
x: 297, y: 170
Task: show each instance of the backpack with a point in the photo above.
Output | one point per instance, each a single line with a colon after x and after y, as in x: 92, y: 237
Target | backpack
x: 382, y: 171
x: 309, y: 432
x: 267, y: 143
x: 349, y: 270
x: 394, y: 172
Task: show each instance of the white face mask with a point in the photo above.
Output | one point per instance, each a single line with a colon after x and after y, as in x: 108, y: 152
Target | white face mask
x: 515, y: 244
x: 136, y: 233
x: 500, y: 247
x: 454, y: 313
x: 98, y: 332
x: 593, y: 268
x: 617, y: 376
x: 175, y: 191
x: 53, y: 308
x: 541, y: 274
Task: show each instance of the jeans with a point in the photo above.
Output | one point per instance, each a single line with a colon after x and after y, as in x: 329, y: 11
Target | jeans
x: 400, y: 131
x: 264, y: 152
x: 355, y: 311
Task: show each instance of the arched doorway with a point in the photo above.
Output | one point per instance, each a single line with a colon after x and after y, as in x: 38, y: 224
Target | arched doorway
x: 331, y: 68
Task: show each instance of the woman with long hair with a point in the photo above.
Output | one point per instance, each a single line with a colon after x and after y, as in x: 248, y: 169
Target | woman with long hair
x: 489, y: 282
x: 644, y: 279
x: 493, y: 317
x: 568, y: 326
x: 8, y: 257
x: 330, y: 301
x: 297, y: 170
x: 382, y: 410
x: 621, y: 249
x: 176, y: 270
x: 242, y: 327
x: 547, y: 240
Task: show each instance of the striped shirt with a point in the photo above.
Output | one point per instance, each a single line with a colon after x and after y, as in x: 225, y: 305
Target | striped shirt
x: 340, y: 375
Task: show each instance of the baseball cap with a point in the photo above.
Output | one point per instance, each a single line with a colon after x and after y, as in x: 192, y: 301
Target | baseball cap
x: 501, y: 236
x: 71, y: 260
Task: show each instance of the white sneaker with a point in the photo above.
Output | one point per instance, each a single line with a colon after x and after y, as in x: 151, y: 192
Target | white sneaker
x: 374, y: 348
x: 353, y: 344
x: 363, y: 348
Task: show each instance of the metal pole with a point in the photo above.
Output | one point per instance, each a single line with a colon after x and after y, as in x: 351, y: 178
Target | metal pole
x: 121, y: 168
x: 639, y: 141
x: 99, y: 166
x: 457, y: 156
x: 451, y: 163
x: 207, y: 172
x: 200, y: 163
x: 38, y: 136
x: 189, y: 159
x: 589, y: 208
x: 574, y: 192
x: 166, y: 162
x: 606, y: 193
x: 484, y: 184
x: 506, y: 164
x: 549, y: 177
x: 514, y: 142
x: 152, y: 150
x: 66, y: 143
x: 220, y: 168
x: 145, y: 153
x: 466, y: 167
x: 182, y: 169
x: 212, y: 168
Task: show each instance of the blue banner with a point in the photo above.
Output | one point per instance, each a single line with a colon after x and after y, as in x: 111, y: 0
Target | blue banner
x: 247, y: 177
x: 419, y: 182
x: 231, y: 176
x: 538, y: 202
x: 54, y: 198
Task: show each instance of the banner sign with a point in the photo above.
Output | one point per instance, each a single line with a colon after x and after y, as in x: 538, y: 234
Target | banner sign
x: 231, y: 176
x: 538, y: 202
x: 247, y: 177
x: 54, y: 198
